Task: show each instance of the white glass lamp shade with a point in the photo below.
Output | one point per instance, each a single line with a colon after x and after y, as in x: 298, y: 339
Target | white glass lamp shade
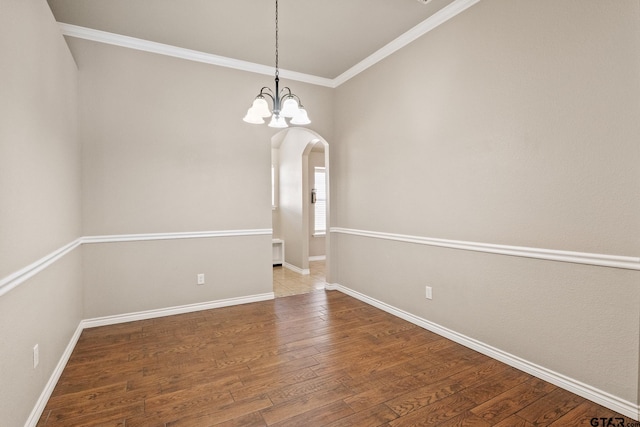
x: 253, y: 118
x: 260, y: 107
x: 289, y: 108
x: 278, y: 122
x: 301, y: 117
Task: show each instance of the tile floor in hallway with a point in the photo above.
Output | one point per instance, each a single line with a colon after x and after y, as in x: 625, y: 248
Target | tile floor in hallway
x: 287, y: 282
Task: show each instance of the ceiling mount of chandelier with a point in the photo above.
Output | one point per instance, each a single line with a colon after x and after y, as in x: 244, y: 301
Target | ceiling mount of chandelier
x: 286, y: 104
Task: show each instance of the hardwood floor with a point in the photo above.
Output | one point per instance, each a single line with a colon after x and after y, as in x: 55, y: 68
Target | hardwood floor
x: 287, y: 282
x: 318, y: 359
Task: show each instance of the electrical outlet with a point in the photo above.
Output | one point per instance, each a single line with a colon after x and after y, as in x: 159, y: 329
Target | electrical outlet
x: 200, y: 279
x: 429, y: 293
x: 36, y: 356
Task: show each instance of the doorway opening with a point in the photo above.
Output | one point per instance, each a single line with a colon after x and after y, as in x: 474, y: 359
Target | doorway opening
x: 301, y: 200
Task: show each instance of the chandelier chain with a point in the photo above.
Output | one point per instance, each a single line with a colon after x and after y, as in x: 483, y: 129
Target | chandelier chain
x: 286, y: 104
x: 277, y: 70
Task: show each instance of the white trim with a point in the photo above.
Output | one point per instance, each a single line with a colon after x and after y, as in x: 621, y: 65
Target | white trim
x: 37, y: 410
x: 438, y: 18
x: 298, y: 270
x: 170, y: 311
x: 432, y: 22
x: 13, y: 280
x: 603, y: 398
x: 318, y: 258
x: 36, y: 413
x: 601, y: 260
x: 188, y: 54
x: 172, y: 236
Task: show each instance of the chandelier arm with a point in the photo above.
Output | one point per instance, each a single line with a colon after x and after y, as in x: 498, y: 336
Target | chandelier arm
x: 290, y: 94
x: 267, y: 94
x: 297, y: 98
x: 282, y: 92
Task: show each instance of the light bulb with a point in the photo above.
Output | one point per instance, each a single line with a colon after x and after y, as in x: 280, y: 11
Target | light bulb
x: 301, y: 117
x: 278, y: 122
x: 252, y: 117
x: 289, y: 108
x: 260, y: 107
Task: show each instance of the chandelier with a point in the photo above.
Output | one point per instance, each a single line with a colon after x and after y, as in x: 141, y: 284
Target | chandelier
x: 286, y: 104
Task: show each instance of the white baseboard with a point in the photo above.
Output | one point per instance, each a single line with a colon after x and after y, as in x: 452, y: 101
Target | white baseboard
x: 296, y: 269
x: 170, y: 311
x: 36, y: 413
x: 318, y: 258
x: 320, y: 286
x: 603, y: 398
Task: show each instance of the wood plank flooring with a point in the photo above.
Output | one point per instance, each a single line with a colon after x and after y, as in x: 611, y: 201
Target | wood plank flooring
x: 318, y: 359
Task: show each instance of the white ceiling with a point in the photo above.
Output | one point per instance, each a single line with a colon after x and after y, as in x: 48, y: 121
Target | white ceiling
x: 322, y: 38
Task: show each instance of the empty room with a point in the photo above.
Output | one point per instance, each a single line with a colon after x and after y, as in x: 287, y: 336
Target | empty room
x: 329, y: 213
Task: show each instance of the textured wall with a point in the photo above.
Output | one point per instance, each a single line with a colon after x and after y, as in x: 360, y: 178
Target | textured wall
x: 39, y: 201
x: 165, y: 150
x: 515, y: 123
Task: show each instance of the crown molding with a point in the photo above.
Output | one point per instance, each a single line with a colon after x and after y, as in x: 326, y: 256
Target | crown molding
x: 435, y: 20
x: 188, y: 54
x: 432, y: 22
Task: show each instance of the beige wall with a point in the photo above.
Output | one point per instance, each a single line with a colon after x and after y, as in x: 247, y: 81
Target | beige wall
x: 165, y: 150
x: 129, y: 277
x: 164, y: 146
x: 515, y: 123
x: 39, y: 201
x: 293, y: 180
x: 275, y: 213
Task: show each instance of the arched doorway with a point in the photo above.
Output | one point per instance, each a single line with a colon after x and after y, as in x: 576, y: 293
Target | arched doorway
x: 293, y: 212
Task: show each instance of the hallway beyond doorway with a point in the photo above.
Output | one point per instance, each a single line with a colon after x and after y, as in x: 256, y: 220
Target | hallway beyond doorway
x: 287, y: 282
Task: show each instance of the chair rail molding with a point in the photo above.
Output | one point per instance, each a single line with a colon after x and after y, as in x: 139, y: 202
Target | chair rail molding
x: 115, y: 238
x: 601, y: 260
x: 11, y: 281
x: 14, y: 279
